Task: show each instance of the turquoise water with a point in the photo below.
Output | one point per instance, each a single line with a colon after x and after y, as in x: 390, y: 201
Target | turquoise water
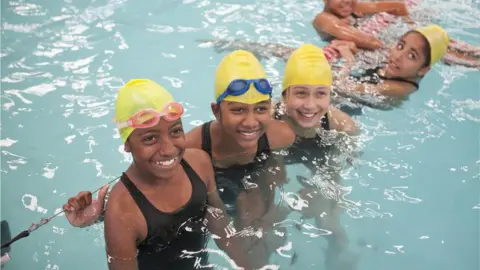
x: 415, y: 189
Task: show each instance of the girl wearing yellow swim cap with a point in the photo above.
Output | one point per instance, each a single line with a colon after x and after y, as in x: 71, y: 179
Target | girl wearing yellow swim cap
x: 408, y: 61
x: 240, y: 142
x: 157, y: 210
x: 306, y: 88
x: 242, y: 110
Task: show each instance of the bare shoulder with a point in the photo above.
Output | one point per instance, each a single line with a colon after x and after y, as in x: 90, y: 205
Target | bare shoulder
x: 119, y: 200
x: 341, y: 121
x: 200, y: 162
x: 323, y: 20
x: 194, y: 137
x: 280, y: 134
x: 396, y: 89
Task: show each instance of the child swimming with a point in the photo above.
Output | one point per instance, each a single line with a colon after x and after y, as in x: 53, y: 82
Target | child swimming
x: 338, y: 20
x: 240, y: 142
x: 305, y: 105
x: 157, y: 210
x: 408, y: 62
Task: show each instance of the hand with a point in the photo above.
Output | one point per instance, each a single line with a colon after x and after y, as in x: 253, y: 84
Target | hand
x: 347, y: 49
x: 82, y: 211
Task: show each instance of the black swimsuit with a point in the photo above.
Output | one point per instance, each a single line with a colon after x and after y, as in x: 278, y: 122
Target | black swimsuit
x: 233, y: 180
x: 168, y: 234
x: 307, y: 151
x: 372, y: 76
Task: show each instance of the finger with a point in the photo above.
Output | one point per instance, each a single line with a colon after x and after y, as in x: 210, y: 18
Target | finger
x: 84, y: 198
x: 73, y: 202
x: 103, y: 192
x: 67, y: 208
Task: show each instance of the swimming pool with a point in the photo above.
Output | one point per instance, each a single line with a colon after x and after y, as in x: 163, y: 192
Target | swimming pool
x: 414, y: 191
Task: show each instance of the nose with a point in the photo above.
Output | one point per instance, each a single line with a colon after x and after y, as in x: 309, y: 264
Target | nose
x: 166, y: 148
x: 250, y: 120
x: 309, y: 103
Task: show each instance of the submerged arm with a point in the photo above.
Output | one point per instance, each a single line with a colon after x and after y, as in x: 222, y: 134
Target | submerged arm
x: 220, y: 223
x: 120, y: 237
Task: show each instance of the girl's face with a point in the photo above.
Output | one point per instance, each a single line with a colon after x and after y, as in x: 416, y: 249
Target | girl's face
x: 341, y: 8
x: 245, y: 123
x: 408, y: 57
x: 307, y: 104
x: 158, y: 150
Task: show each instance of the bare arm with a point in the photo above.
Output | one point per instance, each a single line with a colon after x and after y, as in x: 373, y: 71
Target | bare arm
x: 219, y: 222
x: 331, y: 25
x: 120, y: 236
x: 394, y: 8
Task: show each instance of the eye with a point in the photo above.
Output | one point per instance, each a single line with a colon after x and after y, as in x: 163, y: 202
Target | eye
x: 321, y: 93
x: 412, y: 56
x: 301, y: 94
x: 237, y: 110
x: 149, y: 139
x: 177, y: 132
x: 399, y: 46
x: 261, y: 109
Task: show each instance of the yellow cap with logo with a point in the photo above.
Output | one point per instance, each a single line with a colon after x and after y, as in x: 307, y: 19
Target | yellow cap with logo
x: 240, y: 64
x: 307, y: 65
x: 136, y: 95
x: 437, y: 38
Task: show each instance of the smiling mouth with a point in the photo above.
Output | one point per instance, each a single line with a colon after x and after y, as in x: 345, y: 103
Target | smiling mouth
x: 308, y: 116
x: 249, y: 134
x: 166, y: 163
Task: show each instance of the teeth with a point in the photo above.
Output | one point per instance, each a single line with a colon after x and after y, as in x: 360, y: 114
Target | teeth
x: 248, y: 133
x: 165, y: 163
x: 309, y: 115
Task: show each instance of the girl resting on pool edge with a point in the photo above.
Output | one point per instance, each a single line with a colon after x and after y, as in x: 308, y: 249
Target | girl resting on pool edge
x: 160, y: 204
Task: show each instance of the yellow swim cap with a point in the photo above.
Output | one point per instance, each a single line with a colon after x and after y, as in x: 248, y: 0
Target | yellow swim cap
x: 307, y: 65
x: 438, y: 40
x: 136, y: 95
x: 240, y: 64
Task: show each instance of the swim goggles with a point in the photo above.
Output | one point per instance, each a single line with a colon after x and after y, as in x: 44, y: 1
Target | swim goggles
x: 147, y: 118
x: 240, y: 86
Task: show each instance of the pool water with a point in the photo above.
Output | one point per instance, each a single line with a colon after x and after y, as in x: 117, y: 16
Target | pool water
x: 413, y: 193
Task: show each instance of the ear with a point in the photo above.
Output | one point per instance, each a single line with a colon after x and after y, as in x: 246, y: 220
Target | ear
x: 215, y: 110
x: 423, y: 71
x: 127, y: 147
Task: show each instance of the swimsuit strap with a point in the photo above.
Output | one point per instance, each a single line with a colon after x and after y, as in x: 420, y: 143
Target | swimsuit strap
x: 206, y: 139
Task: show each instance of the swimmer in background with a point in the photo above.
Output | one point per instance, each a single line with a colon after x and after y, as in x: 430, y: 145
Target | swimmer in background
x: 305, y: 105
x: 157, y: 210
x: 240, y: 142
x: 387, y: 86
x: 408, y: 62
x: 338, y: 21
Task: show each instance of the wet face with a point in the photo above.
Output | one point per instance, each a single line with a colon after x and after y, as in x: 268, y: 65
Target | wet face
x: 341, y: 8
x: 307, y: 104
x: 245, y: 123
x: 408, y: 57
x: 158, y: 150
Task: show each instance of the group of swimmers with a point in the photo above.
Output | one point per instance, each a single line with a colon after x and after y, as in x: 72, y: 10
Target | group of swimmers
x: 181, y: 185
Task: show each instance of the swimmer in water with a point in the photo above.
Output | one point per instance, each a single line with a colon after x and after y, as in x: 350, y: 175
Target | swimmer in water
x: 305, y: 105
x: 240, y: 141
x: 409, y: 60
x: 338, y: 20
x: 157, y: 210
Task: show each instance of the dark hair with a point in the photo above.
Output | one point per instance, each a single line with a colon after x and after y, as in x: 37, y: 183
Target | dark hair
x: 426, y: 48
